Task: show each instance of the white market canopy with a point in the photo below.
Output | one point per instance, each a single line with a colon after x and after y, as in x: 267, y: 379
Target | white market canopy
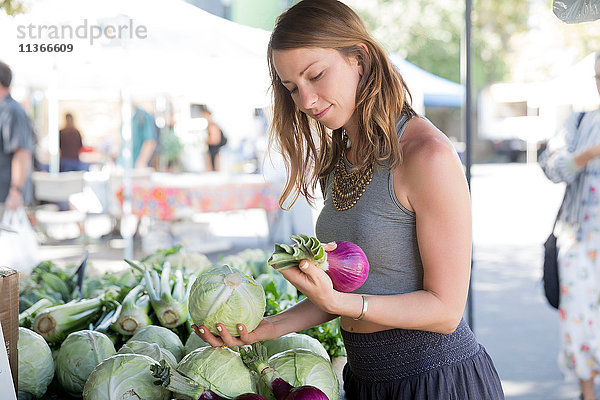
x: 144, y: 46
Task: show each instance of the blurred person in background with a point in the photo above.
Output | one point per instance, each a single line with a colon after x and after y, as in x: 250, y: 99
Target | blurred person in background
x: 573, y: 156
x: 70, y: 146
x: 144, y: 138
x: 394, y: 185
x: 16, y: 147
x: 214, y: 141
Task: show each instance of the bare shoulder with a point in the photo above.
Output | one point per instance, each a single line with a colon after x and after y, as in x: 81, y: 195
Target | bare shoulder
x: 424, y: 145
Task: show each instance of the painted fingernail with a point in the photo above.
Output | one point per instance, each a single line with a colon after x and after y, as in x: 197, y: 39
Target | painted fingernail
x: 331, y: 243
x: 219, y: 329
x: 240, y: 328
x: 304, y: 264
x: 202, y: 331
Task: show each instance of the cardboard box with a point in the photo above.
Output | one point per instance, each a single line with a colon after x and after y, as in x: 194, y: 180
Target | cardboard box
x: 9, y: 316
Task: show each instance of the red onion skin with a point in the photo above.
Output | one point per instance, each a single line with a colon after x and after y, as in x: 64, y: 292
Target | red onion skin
x: 250, y: 396
x: 306, y: 393
x: 210, y: 395
x: 281, y: 388
x: 348, y: 266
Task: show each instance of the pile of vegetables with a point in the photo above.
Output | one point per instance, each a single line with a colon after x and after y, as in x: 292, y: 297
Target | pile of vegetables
x: 105, y: 337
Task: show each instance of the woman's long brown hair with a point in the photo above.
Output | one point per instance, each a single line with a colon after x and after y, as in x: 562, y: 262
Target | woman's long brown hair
x: 381, y: 97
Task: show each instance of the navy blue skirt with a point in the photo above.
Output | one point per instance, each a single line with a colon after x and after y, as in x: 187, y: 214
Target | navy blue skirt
x: 418, y: 365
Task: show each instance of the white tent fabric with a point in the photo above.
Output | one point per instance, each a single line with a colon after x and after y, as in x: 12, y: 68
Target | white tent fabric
x: 576, y: 85
x: 182, y: 49
x: 134, y: 48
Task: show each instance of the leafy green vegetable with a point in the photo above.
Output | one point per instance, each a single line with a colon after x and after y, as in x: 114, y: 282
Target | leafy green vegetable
x: 227, y: 296
x: 250, y: 261
x: 295, y: 341
x: 151, y: 350
x: 27, y: 316
x: 124, y: 376
x: 36, y: 366
x: 219, y: 369
x: 163, y: 337
x: 55, y: 323
x: 79, y: 354
x: 134, y: 312
x: 194, y: 342
x: 303, y: 367
x: 328, y: 334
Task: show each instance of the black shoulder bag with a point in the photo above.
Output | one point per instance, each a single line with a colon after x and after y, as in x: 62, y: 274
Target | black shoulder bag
x: 551, y: 285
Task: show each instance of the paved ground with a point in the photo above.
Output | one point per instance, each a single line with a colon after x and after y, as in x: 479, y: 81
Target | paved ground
x: 513, y: 210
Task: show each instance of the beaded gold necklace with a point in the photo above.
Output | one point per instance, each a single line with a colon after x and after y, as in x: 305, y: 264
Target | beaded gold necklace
x: 348, y: 186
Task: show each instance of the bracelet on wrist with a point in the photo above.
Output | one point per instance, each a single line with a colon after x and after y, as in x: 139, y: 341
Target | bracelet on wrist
x: 365, y: 306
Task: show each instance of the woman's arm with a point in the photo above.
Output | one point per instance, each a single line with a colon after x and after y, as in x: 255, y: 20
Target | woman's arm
x: 302, y: 316
x: 586, y: 156
x: 437, y: 191
x: 562, y: 160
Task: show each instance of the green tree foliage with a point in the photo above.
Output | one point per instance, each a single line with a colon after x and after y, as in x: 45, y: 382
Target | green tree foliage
x: 12, y: 7
x: 550, y: 46
x: 428, y: 33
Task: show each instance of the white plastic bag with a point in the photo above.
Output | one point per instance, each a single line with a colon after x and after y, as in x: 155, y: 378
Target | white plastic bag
x: 576, y: 11
x: 18, y: 250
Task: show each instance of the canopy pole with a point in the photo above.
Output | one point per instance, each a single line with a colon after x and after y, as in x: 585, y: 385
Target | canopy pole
x: 53, y: 134
x: 468, y: 120
x: 128, y: 220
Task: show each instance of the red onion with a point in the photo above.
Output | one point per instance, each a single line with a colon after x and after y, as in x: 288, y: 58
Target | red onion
x: 347, y: 265
x: 249, y: 396
x: 306, y: 393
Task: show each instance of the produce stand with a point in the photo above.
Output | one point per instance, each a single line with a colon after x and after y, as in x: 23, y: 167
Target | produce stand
x: 75, y: 283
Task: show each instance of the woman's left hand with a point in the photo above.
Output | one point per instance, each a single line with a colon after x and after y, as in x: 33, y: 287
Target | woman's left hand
x: 314, y: 283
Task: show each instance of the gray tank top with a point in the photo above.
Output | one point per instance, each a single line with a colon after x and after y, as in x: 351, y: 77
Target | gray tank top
x: 382, y: 227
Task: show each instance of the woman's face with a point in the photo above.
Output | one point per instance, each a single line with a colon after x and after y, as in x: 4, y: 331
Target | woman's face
x: 322, y: 82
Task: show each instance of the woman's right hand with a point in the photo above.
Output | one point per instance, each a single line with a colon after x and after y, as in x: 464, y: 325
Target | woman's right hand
x: 264, y: 331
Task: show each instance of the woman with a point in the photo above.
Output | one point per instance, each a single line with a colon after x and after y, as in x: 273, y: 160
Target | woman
x: 572, y: 157
x: 393, y: 185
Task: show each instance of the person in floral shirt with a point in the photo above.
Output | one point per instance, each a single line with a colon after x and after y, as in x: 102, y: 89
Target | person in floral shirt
x: 573, y: 157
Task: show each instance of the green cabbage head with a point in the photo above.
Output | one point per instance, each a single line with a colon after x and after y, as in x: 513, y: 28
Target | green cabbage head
x: 36, y: 367
x: 151, y: 350
x: 219, y: 369
x: 79, y: 354
x: 194, y: 342
x: 124, y: 376
x: 303, y: 367
x: 165, y: 338
x: 227, y: 296
x: 295, y: 341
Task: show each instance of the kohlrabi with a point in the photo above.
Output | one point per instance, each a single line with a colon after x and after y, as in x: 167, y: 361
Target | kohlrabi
x: 347, y: 265
x: 227, y: 296
x: 207, y: 371
x: 165, y: 338
x: 36, y: 366
x: 278, y: 387
x: 124, y: 376
x: 79, y: 354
